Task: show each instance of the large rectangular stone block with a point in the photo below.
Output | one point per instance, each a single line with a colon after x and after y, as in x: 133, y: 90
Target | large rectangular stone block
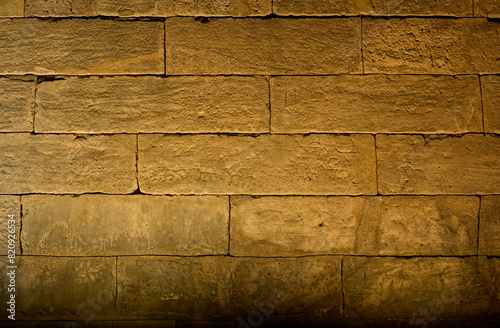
x: 16, y: 102
x: 81, y: 46
x: 266, y: 164
x: 256, y: 46
x: 124, y: 225
x: 374, y: 7
x: 63, y: 288
x: 153, y: 104
x: 10, y: 209
x: 491, y: 103
x: 489, y: 228
x: 411, y: 164
x: 400, y: 225
x: 376, y: 103
x: 487, y: 8
x: 419, y: 289
x: 431, y: 46
x: 47, y: 163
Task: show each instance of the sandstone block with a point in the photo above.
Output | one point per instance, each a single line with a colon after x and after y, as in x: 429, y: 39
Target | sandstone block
x: 300, y: 288
x: 16, y: 102
x: 81, y: 46
x: 173, y: 287
x: 67, y: 164
x: 487, y: 8
x: 374, y: 7
x: 221, y: 7
x: 376, y: 103
x: 255, y: 46
x: 12, y: 8
x: 10, y: 205
x: 400, y: 225
x: 63, y: 288
x: 153, y: 104
x: 431, y: 46
x: 491, y: 103
x: 489, y: 229
x: 266, y: 164
x: 421, y: 288
x: 124, y: 225
x: 411, y: 164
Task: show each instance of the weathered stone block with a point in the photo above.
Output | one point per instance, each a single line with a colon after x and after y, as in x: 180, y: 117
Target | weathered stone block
x: 81, y: 46
x: 153, y: 104
x: 221, y: 7
x: 376, y: 103
x: 10, y: 205
x: 487, y: 8
x: 489, y: 229
x: 421, y: 288
x: 62, y: 288
x: 431, y: 46
x: 307, y: 287
x: 124, y: 225
x: 266, y: 164
x: 67, y: 164
x: 12, y: 8
x: 16, y: 102
x: 411, y: 164
x: 374, y: 7
x: 491, y: 103
x: 401, y: 225
x: 255, y: 46
x: 173, y: 287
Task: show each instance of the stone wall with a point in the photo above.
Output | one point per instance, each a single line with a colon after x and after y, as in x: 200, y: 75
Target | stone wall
x: 247, y: 163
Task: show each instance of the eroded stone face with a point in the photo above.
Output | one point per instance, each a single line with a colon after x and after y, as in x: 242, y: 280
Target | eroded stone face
x: 489, y: 229
x: 12, y: 8
x: 62, y: 288
x: 67, y: 164
x: 419, y: 164
x: 255, y: 46
x: 315, y: 164
x: 375, y: 104
x: 124, y: 225
x: 407, y: 225
x: 487, y: 8
x: 152, y: 104
x: 410, y: 288
x: 85, y: 46
x: 408, y: 46
x: 10, y: 205
x: 16, y: 101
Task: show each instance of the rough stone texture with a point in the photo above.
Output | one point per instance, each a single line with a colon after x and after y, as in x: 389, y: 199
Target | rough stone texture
x: 124, y: 225
x: 487, y: 8
x: 218, y: 287
x: 489, y: 229
x: 55, y: 8
x: 153, y: 104
x: 145, y: 324
x: 401, y: 225
x: 221, y: 7
x: 373, y: 7
x: 256, y: 46
x: 9, y: 205
x: 416, y: 164
x: 57, y: 288
x: 376, y: 103
x: 266, y: 164
x: 67, y: 164
x: 173, y: 287
x: 431, y: 46
x: 12, y: 8
x: 417, y: 288
x: 491, y: 103
x: 84, y: 46
x: 295, y: 287
x: 16, y: 102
